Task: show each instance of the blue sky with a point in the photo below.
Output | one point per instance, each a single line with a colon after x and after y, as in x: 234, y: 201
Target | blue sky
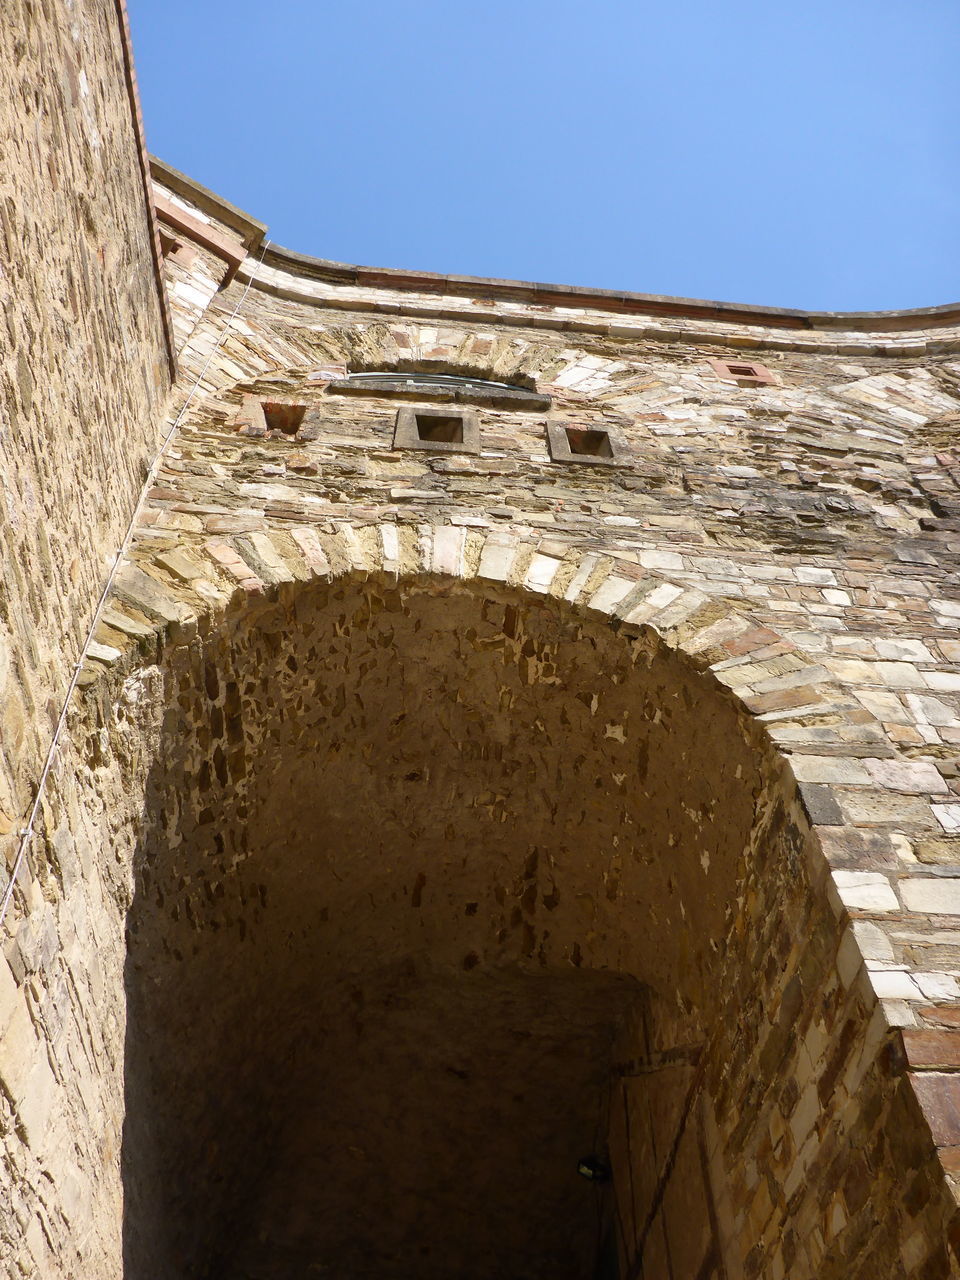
x: 797, y: 155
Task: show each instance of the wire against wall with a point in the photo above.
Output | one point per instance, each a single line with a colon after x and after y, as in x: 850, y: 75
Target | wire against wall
x: 26, y: 832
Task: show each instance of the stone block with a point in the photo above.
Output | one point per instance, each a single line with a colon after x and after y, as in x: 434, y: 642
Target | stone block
x: 263, y: 557
x: 873, y: 942
x: 937, y: 986
x: 147, y: 595
x: 883, y: 808
x: 894, y: 984
x: 943, y: 681
x: 829, y: 769
x: 939, y: 1097
x: 19, y: 1049
x: 948, y: 816
x: 496, y: 559
x: 448, y: 548
x: 865, y: 891
x: 664, y: 561
x: 931, y: 896
x: 308, y: 540
x: 610, y: 594
x: 9, y: 995
x: 541, y: 573
x: 858, y: 850
x: 915, y: 777
x: 36, y: 1101
x: 927, y: 1048
x: 820, y: 805
x: 944, y: 851
x: 649, y: 606
x: 176, y: 563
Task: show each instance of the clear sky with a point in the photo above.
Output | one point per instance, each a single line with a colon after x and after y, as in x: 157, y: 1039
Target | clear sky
x: 788, y: 154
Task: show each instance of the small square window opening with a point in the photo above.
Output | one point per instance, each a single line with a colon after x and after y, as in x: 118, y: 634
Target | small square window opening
x: 743, y: 373
x: 593, y: 444
x: 174, y: 250
x: 283, y: 417
x: 435, y: 428
x: 439, y: 430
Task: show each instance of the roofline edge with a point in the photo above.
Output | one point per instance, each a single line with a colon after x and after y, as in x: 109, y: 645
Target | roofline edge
x: 577, y: 297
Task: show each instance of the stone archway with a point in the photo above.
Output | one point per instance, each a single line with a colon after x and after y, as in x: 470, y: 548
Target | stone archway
x: 440, y: 862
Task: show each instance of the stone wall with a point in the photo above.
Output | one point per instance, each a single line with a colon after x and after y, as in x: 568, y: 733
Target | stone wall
x: 289, y: 801
x: 496, y: 804
x: 818, y: 507
x: 85, y: 369
x: 430, y: 799
x: 204, y: 241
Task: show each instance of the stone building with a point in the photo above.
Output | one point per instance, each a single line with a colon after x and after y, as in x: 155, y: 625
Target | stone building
x: 479, y: 767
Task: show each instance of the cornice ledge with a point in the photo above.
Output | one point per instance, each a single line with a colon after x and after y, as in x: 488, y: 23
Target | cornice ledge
x: 814, y: 330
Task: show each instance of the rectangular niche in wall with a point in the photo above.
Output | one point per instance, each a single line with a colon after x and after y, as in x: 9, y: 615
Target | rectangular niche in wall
x: 283, y: 417
x: 175, y: 250
x: 745, y: 373
x: 440, y: 430
x: 595, y: 446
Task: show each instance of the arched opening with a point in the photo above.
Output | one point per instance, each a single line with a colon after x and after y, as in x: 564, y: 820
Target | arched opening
x: 441, y: 891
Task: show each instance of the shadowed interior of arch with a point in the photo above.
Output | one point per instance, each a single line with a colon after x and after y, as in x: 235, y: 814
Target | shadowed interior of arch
x: 442, y: 892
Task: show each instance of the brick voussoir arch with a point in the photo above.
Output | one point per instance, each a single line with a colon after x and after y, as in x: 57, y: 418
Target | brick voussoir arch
x: 174, y: 595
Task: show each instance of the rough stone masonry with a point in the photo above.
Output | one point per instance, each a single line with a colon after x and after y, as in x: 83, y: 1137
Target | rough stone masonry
x: 522, y: 735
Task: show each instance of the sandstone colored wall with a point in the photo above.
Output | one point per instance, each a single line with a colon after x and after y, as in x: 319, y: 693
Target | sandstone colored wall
x: 85, y: 370
x: 389, y: 760
x: 821, y: 507
x: 312, y: 872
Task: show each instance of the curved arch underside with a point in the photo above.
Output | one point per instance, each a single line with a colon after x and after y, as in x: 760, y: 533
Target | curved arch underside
x: 441, y: 890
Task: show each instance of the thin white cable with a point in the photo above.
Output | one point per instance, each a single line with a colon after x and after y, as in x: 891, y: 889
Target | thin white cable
x: 27, y: 832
